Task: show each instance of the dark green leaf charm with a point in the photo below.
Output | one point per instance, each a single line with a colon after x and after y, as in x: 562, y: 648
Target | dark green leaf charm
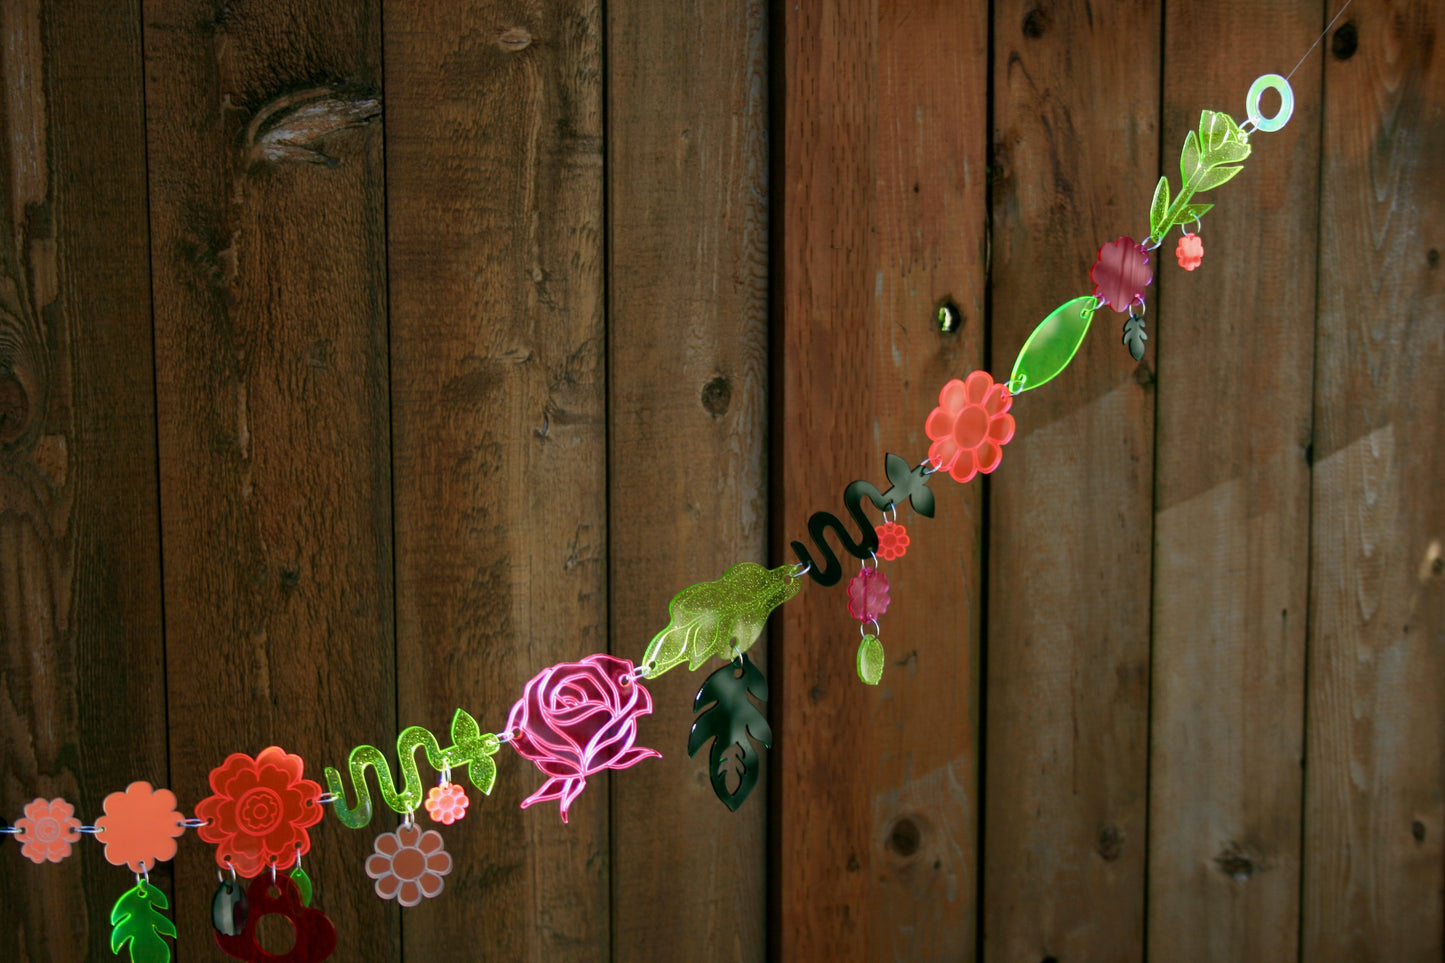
x: 732, y: 720
x: 1134, y: 336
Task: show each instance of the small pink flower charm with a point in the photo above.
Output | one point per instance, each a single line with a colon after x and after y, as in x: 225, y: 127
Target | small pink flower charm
x: 408, y: 864
x: 446, y: 804
x: 892, y: 541
x: 47, y: 830
x: 868, y: 595
x: 1189, y: 251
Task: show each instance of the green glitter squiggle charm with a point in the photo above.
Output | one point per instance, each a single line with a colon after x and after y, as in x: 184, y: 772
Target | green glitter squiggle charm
x: 470, y: 748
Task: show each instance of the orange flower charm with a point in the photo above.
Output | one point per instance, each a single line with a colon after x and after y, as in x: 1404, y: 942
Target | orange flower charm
x: 892, y: 541
x: 47, y: 830
x: 1189, y: 251
x: 260, y: 811
x: 408, y: 864
x: 140, y: 826
x: 446, y: 804
x: 970, y: 426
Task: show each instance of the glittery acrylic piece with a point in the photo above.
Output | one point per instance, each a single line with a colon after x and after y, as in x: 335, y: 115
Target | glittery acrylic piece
x: 315, y: 935
x: 229, y: 908
x: 870, y: 660
x: 868, y: 595
x: 140, y: 826
x: 576, y: 719
x: 408, y: 865
x: 259, y: 812
x: 471, y: 749
x: 908, y: 484
x: 892, y: 541
x: 1210, y: 157
x: 1121, y: 274
x: 715, y: 619
x: 970, y: 426
x: 46, y: 830
x: 139, y: 924
x: 1052, y: 345
x: 733, y: 723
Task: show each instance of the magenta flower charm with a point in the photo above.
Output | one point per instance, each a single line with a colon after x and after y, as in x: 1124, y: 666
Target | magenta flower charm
x: 868, y: 595
x: 1121, y: 274
x: 1189, y: 251
x: 579, y: 718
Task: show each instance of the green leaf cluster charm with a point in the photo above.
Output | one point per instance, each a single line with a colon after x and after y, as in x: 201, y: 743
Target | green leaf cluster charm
x: 732, y: 721
x: 1211, y: 156
x: 471, y: 749
x: 138, y: 921
x: 719, y: 618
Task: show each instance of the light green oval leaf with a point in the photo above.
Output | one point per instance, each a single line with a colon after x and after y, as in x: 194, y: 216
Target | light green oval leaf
x: 870, y: 660
x: 1053, y: 344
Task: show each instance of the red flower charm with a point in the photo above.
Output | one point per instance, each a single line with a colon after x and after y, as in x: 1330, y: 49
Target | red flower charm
x: 1189, y: 251
x: 970, y: 426
x: 579, y: 718
x: 868, y: 595
x: 260, y: 811
x: 446, y: 804
x: 892, y: 541
x: 1121, y: 274
x: 46, y: 830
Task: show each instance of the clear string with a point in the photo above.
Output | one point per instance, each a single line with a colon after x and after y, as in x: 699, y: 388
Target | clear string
x: 1337, y: 16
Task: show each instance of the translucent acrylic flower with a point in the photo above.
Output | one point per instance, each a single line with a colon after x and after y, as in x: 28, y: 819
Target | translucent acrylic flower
x: 140, y: 826
x: 446, y: 804
x: 46, y: 830
x: 868, y: 595
x: 408, y: 864
x: 1121, y: 273
x: 970, y: 426
x: 892, y: 541
x: 1189, y: 251
x: 260, y: 811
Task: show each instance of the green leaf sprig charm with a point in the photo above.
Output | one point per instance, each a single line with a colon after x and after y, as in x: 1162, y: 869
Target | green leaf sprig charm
x: 138, y: 921
x: 731, y: 720
x: 1211, y: 156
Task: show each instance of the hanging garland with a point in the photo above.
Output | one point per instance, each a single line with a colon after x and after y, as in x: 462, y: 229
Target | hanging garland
x: 577, y: 719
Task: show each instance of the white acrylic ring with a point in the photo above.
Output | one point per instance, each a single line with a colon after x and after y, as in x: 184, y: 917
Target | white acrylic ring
x: 1286, y: 103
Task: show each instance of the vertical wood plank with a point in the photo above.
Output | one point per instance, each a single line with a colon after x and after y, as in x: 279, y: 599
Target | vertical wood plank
x: 81, y: 677
x: 883, y: 216
x: 687, y: 355
x: 1231, y: 538
x: 269, y: 277
x: 1374, y: 859
x: 1075, y: 143
x: 494, y: 184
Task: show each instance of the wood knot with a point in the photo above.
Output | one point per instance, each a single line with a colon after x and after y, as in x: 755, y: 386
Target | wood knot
x: 904, y: 837
x: 1417, y: 830
x: 1239, y: 864
x: 1036, y: 23
x: 292, y: 128
x: 14, y: 409
x: 1345, y: 41
x: 717, y: 394
x: 514, y: 39
x: 1111, y: 842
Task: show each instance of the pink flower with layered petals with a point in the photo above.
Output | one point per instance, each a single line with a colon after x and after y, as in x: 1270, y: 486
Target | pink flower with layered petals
x: 970, y: 426
x: 46, y: 830
x: 579, y: 718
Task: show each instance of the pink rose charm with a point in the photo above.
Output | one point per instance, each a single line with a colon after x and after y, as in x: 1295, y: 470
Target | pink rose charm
x: 579, y: 718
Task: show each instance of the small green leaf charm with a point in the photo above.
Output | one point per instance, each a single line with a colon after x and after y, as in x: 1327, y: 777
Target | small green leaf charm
x: 303, y: 884
x: 717, y: 618
x: 137, y: 919
x: 1053, y: 344
x: 870, y: 660
x: 1159, y: 209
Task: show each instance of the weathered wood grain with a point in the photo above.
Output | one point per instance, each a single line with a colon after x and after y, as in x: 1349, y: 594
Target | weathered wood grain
x: 82, y: 706
x: 1374, y: 848
x: 271, y: 379
x: 883, y: 216
x: 1075, y: 146
x: 1231, y: 537
x: 495, y: 203
x: 687, y: 358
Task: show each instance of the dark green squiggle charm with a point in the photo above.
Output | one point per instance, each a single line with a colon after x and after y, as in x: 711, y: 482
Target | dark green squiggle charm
x: 471, y: 748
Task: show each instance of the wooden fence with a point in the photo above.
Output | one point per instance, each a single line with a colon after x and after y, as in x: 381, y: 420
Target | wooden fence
x: 314, y: 427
